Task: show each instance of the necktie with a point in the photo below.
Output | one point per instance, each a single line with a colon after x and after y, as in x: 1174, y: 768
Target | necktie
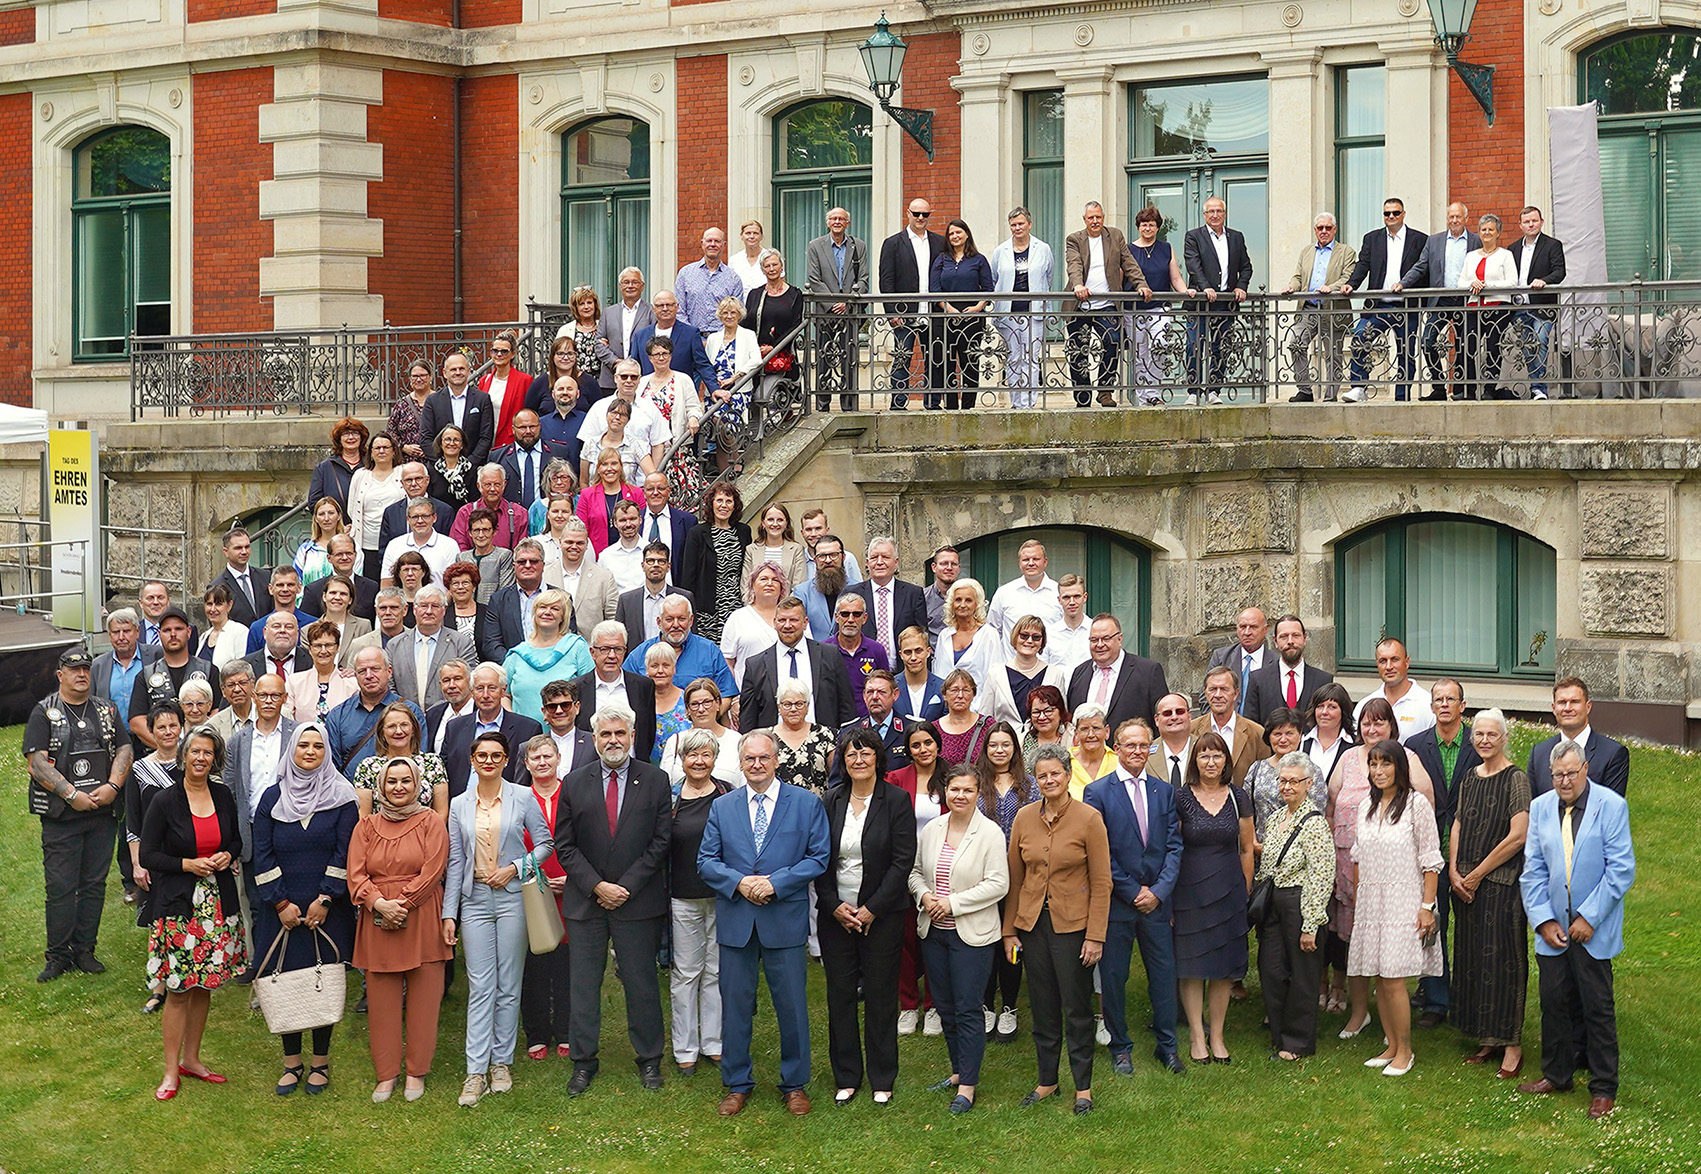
x: 1175, y: 770
x: 655, y: 527
x: 278, y: 666
x: 1140, y: 807
x: 1245, y: 677
x: 793, y: 655
x: 1293, y: 690
x: 528, y: 477
x: 1566, y: 838
x: 247, y: 584
x: 883, y: 616
x: 761, y: 822
x: 1104, y: 685
x: 611, y: 799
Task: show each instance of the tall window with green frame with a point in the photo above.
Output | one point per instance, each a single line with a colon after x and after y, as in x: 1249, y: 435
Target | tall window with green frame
x: 823, y: 159
x: 121, y: 241
x: 1465, y: 597
x: 1361, y: 121
x: 605, y: 203
x: 1042, y: 166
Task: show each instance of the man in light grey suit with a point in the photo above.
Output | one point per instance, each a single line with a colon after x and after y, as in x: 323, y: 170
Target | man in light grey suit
x: 838, y: 264
x: 620, y: 322
x: 426, y: 646
x: 251, y: 761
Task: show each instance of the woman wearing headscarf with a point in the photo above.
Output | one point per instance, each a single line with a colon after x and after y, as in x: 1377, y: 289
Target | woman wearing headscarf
x: 302, y: 828
x: 396, y: 861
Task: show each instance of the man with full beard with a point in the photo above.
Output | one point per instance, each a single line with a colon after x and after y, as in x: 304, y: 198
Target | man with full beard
x: 820, y: 595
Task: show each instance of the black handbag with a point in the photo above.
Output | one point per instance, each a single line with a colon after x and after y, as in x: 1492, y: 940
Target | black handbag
x: 1263, y: 898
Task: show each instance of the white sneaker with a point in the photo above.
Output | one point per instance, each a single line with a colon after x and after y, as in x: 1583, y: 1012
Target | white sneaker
x: 991, y: 1020
x: 1538, y: 395
x: 932, y: 1024
x: 501, y: 1078
x: 1007, y: 1022
x: 472, y: 1090
x: 1353, y: 395
x: 907, y: 1021
x: 1215, y: 399
x: 1101, y: 1033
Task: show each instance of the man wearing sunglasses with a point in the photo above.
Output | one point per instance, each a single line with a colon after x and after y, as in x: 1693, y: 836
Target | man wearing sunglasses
x: 906, y: 257
x: 1384, y: 256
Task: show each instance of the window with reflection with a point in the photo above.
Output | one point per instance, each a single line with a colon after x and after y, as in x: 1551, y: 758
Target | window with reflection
x: 121, y: 241
x: 1361, y: 122
x: 605, y: 203
x: 1042, y: 165
x: 823, y: 158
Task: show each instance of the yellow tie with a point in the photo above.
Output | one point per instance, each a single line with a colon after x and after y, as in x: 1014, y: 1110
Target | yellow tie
x: 1565, y: 838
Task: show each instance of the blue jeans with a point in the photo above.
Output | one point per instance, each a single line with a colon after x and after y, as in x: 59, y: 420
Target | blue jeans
x: 1370, y: 327
x: 1157, y: 952
x: 1535, y: 342
x: 956, y: 977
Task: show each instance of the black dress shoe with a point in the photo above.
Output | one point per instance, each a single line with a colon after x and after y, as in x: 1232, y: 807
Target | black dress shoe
x: 89, y: 964
x: 649, y: 1075
x: 55, y: 967
x: 1083, y: 1105
x: 1300, y: 397
x: 1172, y: 1061
x: 1123, y: 1063
x: 578, y: 1082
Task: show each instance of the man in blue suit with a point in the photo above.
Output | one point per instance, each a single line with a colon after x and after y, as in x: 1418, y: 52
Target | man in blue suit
x: 763, y: 845
x: 1609, y: 759
x: 1145, y: 859
x: 1578, y: 865
x: 688, y: 353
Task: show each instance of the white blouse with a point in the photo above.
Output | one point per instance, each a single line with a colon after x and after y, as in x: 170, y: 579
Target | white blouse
x: 1500, y: 273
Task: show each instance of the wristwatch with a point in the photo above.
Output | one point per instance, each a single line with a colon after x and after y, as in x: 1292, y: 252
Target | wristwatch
x: 1428, y: 906
x: 326, y: 901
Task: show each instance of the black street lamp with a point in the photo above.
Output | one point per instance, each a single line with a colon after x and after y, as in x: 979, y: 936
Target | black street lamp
x: 1452, y: 28
x: 883, y: 58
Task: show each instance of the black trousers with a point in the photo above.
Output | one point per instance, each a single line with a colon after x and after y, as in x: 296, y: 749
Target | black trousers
x: 962, y: 360
x: 76, y: 855
x: 1289, y: 977
x: 1575, y: 985
x: 870, y: 959
x: 291, y: 1041
x: 546, y: 998
x: 1060, y: 996
x: 635, y: 946
x: 1006, y: 981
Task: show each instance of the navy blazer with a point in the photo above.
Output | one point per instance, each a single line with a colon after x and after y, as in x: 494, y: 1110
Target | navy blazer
x: 932, y: 706
x: 478, y: 422
x: 909, y: 609
x: 689, y: 354
x: 758, y: 708
x: 241, y: 612
x: 640, y: 692
x: 634, y: 856
x: 1204, y: 273
x: 794, y: 853
x: 458, y: 740
x: 1134, y: 861
x: 503, y: 630
x: 1427, y: 747
x: 394, y: 522
x: 1139, y: 684
x: 1267, y: 687
x: 1548, y: 265
x: 1609, y: 764
x: 548, y: 450
x: 1431, y: 266
x: 895, y: 739
x: 680, y: 523
x: 1372, y: 265
x: 897, y: 272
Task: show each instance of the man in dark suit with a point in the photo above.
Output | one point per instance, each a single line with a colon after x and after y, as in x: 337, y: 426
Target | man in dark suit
x: 795, y: 657
x: 247, y: 585
x: 281, y: 652
x: 1098, y: 251
x: 1609, y: 760
x: 527, y: 458
x: 1285, y: 681
x: 893, y: 604
x: 454, y: 681
x: 1541, y: 263
x: 621, y: 322
x: 663, y: 522
x: 1448, y: 741
x: 611, y: 836
x: 504, y: 625
x: 1127, y: 685
x: 837, y: 263
x: 1220, y: 268
x: 394, y: 522
x: 608, y: 682
x: 458, y: 403
x: 1439, y: 265
x: 1250, y: 652
x: 906, y: 258
x: 879, y: 695
x: 344, y: 555
x: 1145, y: 860
x: 763, y: 845
x: 488, y: 689
x: 638, y: 609
x: 1385, y: 254
x: 689, y: 356
x: 573, y: 746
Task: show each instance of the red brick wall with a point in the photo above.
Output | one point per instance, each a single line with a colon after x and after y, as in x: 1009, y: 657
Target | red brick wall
x: 483, y: 13
x: 1486, y: 163
x: 419, y: 11
x: 416, y: 126
x: 225, y: 9
x: 490, y: 198
x: 702, y: 155
x: 230, y: 237
x: 17, y: 27
x: 15, y: 233
x: 929, y: 66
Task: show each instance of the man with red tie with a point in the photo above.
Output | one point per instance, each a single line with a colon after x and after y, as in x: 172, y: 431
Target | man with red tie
x: 1287, y: 681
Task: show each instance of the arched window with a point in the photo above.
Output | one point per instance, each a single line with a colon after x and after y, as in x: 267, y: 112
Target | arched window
x: 1118, y: 572
x: 823, y: 158
x: 1465, y: 596
x: 605, y: 204
x: 1648, y: 85
x: 121, y: 240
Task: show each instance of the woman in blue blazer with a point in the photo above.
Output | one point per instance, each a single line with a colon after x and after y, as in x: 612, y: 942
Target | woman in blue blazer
x: 487, y: 859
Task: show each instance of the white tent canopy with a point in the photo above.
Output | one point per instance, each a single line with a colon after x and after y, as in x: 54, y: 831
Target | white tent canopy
x: 22, y: 425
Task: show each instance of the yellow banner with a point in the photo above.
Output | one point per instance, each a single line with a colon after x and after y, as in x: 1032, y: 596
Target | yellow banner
x: 73, y: 513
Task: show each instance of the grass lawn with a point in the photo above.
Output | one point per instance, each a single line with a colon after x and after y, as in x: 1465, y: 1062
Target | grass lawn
x: 78, y: 1064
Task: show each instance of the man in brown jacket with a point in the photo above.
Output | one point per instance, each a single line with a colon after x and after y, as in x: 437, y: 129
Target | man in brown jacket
x: 1098, y: 263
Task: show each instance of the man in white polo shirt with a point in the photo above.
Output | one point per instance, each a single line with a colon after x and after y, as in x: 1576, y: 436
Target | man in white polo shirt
x: 1409, y: 699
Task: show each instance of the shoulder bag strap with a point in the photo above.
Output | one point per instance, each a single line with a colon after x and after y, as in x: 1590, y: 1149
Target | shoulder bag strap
x: 1294, y: 835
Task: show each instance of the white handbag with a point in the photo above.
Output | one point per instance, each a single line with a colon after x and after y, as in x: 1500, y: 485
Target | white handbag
x: 543, y: 914
x: 300, y: 1000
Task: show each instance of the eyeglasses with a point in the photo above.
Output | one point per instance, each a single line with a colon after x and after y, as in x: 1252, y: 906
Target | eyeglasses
x: 268, y: 696
x: 1172, y: 713
x: 1042, y: 711
x: 852, y: 615
x: 488, y: 756
x: 625, y: 375
x: 582, y: 289
x: 1030, y: 635
x: 1567, y: 776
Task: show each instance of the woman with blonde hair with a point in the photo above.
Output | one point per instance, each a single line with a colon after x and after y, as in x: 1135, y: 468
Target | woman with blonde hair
x: 968, y: 641
x: 551, y: 653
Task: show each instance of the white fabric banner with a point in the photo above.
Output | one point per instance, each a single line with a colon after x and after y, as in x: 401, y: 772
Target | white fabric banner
x: 1579, y: 220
